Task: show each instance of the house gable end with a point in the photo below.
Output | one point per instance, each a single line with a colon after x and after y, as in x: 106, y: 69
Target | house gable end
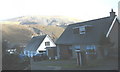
x: 42, y: 46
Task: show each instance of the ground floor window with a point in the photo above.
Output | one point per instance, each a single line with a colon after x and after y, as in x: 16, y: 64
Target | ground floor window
x: 90, y: 49
x: 77, y: 46
x: 42, y: 52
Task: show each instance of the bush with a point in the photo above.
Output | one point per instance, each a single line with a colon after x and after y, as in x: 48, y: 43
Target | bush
x: 13, y: 62
x: 39, y: 58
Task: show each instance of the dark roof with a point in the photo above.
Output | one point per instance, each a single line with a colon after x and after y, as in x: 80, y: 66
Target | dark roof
x: 100, y: 26
x: 35, y: 43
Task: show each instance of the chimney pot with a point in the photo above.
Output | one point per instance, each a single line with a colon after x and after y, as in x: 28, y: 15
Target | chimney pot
x: 112, y: 14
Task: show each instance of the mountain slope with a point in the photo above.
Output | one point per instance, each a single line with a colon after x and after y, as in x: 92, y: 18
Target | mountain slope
x: 23, y: 33
x: 45, y: 20
x: 21, y: 29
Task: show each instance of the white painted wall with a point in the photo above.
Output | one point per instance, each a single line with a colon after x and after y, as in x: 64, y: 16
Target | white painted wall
x: 42, y: 46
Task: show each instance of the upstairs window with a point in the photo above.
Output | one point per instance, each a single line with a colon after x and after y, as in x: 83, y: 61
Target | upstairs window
x: 47, y: 43
x: 79, y: 30
x: 82, y: 29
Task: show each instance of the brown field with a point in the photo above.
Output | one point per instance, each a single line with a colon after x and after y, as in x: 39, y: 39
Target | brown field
x: 16, y: 33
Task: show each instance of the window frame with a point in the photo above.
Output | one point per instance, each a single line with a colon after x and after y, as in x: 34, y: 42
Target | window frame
x: 81, y: 30
x: 47, y: 43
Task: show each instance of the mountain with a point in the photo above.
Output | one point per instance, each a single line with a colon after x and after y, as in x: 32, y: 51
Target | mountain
x: 60, y: 21
x: 20, y: 30
x: 17, y: 34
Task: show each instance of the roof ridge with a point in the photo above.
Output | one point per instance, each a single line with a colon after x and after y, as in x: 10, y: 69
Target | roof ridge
x: 89, y: 20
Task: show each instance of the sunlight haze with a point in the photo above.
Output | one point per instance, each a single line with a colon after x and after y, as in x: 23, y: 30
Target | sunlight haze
x: 81, y: 9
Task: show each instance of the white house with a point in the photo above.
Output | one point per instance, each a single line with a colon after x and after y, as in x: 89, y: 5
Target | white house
x: 37, y: 45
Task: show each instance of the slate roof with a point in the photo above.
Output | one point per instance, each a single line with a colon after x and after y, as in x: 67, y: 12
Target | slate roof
x: 35, y: 43
x: 100, y: 26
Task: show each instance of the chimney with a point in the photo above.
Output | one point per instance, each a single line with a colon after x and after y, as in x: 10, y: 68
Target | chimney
x: 112, y: 14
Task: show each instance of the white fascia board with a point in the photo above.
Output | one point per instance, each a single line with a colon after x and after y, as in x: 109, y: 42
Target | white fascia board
x: 111, y: 27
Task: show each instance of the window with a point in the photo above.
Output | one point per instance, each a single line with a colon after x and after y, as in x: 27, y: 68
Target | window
x: 90, y: 49
x: 47, y: 43
x: 79, y: 30
x: 82, y: 29
x: 77, y: 46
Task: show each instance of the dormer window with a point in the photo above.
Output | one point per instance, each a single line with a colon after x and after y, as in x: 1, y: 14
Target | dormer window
x: 82, y: 29
x: 79, y: 30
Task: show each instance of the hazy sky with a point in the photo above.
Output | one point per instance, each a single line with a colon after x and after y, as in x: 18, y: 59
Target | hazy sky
x: 82, y: 9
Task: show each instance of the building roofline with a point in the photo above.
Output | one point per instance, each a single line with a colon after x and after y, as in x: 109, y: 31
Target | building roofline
x: 89, y: 20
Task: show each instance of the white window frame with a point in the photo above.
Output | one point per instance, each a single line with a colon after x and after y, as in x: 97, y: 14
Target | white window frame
x: 47, y: 44
x: 82, y: 29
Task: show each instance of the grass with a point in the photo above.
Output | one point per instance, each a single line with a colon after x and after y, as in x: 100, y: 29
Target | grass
x: 65, y: 64
x: 72, y: 64
x: 16, y: 33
